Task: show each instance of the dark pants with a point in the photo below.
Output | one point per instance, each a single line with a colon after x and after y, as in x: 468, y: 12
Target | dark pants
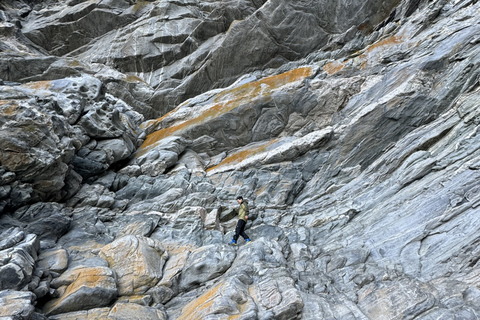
x: 239, y: 230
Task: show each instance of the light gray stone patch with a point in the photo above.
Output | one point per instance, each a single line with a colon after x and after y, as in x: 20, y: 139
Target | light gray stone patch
x: 54, y: 260
x: 16, y: 304
x: 18, y: 263
x: 204, y: 264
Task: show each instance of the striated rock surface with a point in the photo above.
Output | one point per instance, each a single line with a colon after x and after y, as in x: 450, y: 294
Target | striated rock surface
x: 16, y: 304
x: 82, y: 288
x: 18, y: 257
x: 128, y: 129
x: 137, y: 262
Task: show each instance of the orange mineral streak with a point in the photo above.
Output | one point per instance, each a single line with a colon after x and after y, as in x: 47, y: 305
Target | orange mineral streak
x: 7, y: 107
x: 227, y: 101
x: 251, y: 89
x: 200, y: 307
x: 87, y: 246
x: 133, y: 79
x: 89, y: 278
x: 152, y: 122
x: 336, y: 66
x: 385, y: 42
x: 38, y: 85
x: 244, y: 154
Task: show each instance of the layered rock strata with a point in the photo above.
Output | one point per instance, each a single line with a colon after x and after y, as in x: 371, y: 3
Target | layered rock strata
x: 128, y: 128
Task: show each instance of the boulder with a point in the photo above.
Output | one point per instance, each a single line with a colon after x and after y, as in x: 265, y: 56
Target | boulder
x: 137, y: 261
x: 119, y: 311
x: 83, y: 288
x: 230, y: 299
x: 17, y: 263
x: 410, y: 300
x: 48, y: 220
x: 204, y: 264
x: 55, y: 260
x: 50, y: 127
x: 174, y: 265
x: 10, y: 237
x: 16, y: 304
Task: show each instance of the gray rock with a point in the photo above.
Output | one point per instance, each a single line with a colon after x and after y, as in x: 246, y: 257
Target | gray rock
x: 91, y: 17
x: 351, y: 128
x: 11, y: 237
x: 120, y: 310
x: 137, y: 261
x: 17, y: 304
x: 54, y: 260
x: 42, y: 290
x: 155, y: 159
x: 87, y: 230
x: 85, y: 288
x: 40, y: 147
x: 47, y: 220
x: 18, y: 263
x: 102, y: 121
x: 229, y: 298
x: 13, y: 67
x: 204, y: 264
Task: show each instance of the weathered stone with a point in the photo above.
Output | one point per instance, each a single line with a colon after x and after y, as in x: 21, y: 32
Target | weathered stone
x: 185, y: 227
x: 94, y: 195
x: 119, y: 311
x: 204, y: 264
x: 86, y: 288
x: 47, y: 220
x: 13, y: 68
x: 351, y: 128
x: 174, y: 265
x: 211, y: 220
x: 410, y: 301
x: 43, y: 142
x: 54, y: 260
x: 137, y: 261
x: 18, y: 264
x: 226, y: 298
x: 42, y: 289
x: 91, y: 17
x: 16, y: 304
x: 11, y: 237
x: 137, y: 224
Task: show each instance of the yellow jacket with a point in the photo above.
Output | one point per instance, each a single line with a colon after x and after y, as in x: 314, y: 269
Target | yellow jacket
x: 243, y: 210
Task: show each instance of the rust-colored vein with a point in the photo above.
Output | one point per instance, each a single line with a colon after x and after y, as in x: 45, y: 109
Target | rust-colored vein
x: 226, y: 101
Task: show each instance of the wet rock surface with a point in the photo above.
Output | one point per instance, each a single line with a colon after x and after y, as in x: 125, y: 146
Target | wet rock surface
x: 128, y: 129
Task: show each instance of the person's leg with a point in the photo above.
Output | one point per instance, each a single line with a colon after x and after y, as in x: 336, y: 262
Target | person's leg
x: 242, y: 230
x: 244, y: 235
x: 238, y: 229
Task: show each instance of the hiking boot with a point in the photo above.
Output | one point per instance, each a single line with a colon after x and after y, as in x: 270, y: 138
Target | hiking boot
x: 247, y: 241
x: 233, y: 242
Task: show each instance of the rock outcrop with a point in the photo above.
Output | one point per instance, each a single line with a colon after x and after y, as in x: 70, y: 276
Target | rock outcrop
x: 128, y: 128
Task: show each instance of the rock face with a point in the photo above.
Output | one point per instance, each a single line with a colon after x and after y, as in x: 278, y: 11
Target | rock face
x: 50, y: 137
x: 128, y: 128
x: 135, y: 276
x: 84, y: 288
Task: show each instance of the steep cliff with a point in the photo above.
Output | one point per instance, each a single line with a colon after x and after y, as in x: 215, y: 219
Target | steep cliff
x: 128, y: 128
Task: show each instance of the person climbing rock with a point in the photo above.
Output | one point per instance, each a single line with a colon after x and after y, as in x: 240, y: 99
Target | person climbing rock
x: 242, y: 221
